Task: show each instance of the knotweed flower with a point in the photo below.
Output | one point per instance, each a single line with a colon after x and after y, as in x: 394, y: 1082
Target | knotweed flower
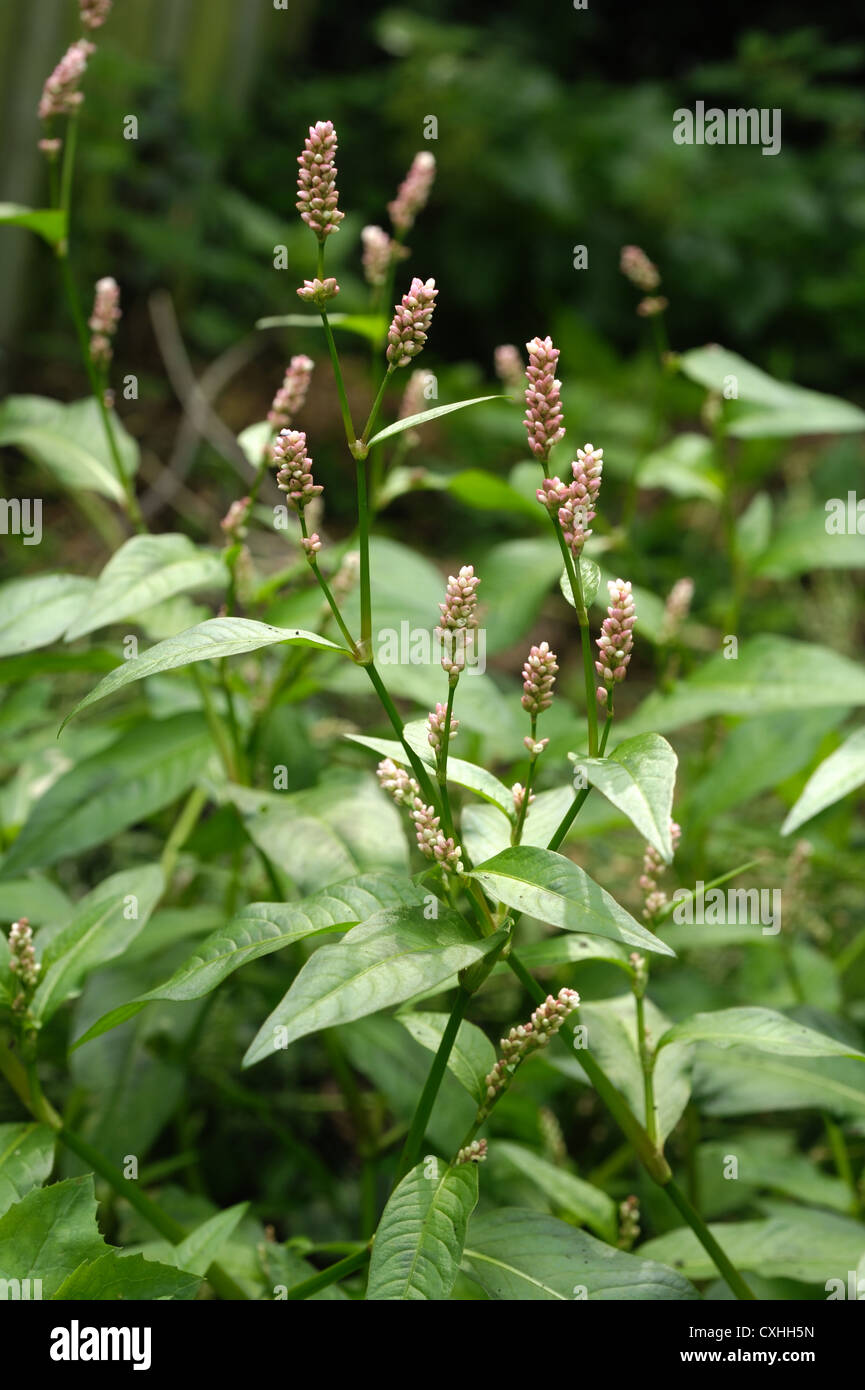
x: 104, y: 319
x: 432, y: 841
x: 317, y: 195
x: 651, y: 305
x: 636, y: 267
x: 379, y: 253
x: 234, y: 521
x: 545, y: 1022
x: 291, y: 396
x: 436, y: 723
x: 318, y: 291
x: 543, y: 402
x: 22, y: 957
x: 413, y: 192
x: 394, y: 780
x: 295, y: 473
x: 312, y: 545
x: 50, y: 148
x: 677, y: 606
x: 414, y: 400
x: 475, y: 1152
x: 94, y: 13
x: 617, y: 637
x: 519, y: 794
x: 411, y: 320
x: 653, y: 867
x: 509, y: 366
x: 458, y: 619
x: 539, y: 677
x: 60, y: 95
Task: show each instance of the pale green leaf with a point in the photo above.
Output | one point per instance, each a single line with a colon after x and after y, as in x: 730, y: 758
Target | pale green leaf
x: 412, y: 422
x: 143, y: 572
x: 37, y: 610
x: 838, y: 775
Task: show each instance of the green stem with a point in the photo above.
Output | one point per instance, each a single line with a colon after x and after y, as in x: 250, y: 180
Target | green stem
x: 442, y: 759
x: 215, y: 724
x: 647, y: 1063
x: 183, y: 827
x: 328, y: 1276
x: 420, y: 772
x: 837, y: 1143
x: 367, y: 429
x: 325, y: 589
x: 648, y: 1154
x: 568, y: 818
x: 420, y: 1120
x: 363, y: 546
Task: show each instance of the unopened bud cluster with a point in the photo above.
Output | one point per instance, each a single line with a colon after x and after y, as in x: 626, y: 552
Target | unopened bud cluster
x: 60, y: 95
x: 431, y: 839
x: 574, y: 503
x: 539, y: 677
x: 509, y: 366
x: 295, y: 469
x: 525, y: 1038
x: 518, y: 792
x: 617, y: 637
x: 413, y: 192
x: 318, y: 291
x: 653, y: 867
x: 644, y: 275
x: 380, y: 251
x: 317, y: 195
x: 436, y: 722
x: 291, y: 396
x: 475, y: 1152
x: 458, y: 619
x: 543, y: 419
x: 411, y: 321
x: 104, y: 319
x: 677, y: 606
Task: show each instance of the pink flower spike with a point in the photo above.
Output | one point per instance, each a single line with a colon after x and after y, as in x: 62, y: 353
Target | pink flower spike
x: 617, y: 634
x: 295, y: 473
x: 539, y: 677
x: 636, y: 267
x: 543, y: 419
x: 291, y: 396
x: 413, y: 192
x: 94, y: 13
x: 411, y: 321
x: 379, y: 253
x: 317, y: 195
x: 104, y: 319
x: 60, y: 95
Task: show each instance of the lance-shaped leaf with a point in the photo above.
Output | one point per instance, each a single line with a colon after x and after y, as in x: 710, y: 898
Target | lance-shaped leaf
x: 145, y: 571
x: 550, y: 887
x: 26, y: 1159
x: 565, y: 1191
x: 370, y: 326
x: 796, y: 1244
x: 197, y: 1251
x: 261, y: 928
x: 841, y: 773
x: 392, y: 957
x: 419, y: 1242
x: 101, y: 928
x: 411, y: 422
x: 49, y: 223
x: 69, y: 440
x: 761, y: 1028
x: 208, y: 641
x: 523, y: 1256
x: 638, y: 778
x: 472, y: 1056
x: 36, y: 611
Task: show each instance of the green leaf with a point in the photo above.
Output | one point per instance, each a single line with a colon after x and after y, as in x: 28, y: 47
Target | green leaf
x: 803, y: 544
x: 103, y: 925
x: 611, y: 1026
x: 638, y: 778
x: 590, y: 582
x: 36, y: 898
x: 464, y: 774
x: 262, y: 928
x: 419, y: 1242
x: 472, y: 1056
x: 516, y: 575
x: 197, y: 1252
x: 811, y: 1246
x: 389, y: 958
x: 145, y: 571
x: 70, y: 441
x: 568, y: 1193
x: 769, y: 674
x: 26, y: 1160
x: 683, y: 466
x: 741, y: 1081
x: 761, y: 1028
x: 49, y: 223
x: 116, y: 1275
x: 411, y: 422
x: 138, y: 774
x: 208, y: 641
x: 574, y: 950
x: 841, y: 773
x: 49, y: 1233
x: 36, y: 611
x: 550, y: 887
x: 769, y: 408
x: 477, y: 488
x: 370, y: 326
x: 524, y: 1256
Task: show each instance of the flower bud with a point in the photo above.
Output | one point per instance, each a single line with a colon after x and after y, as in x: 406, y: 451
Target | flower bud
x: 317, y: 195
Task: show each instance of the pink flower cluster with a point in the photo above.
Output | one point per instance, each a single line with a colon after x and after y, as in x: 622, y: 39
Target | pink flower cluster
x: 575, y: 502
x: 431, y: 839
x: 295, y: 472
x: 60, y: 95
x: 104, y: 318
x: 411, y: 321
x: 458, y: 618
x: 545, y: 1022
x: 543, y: 419
x: 509, y: 366
x: 94, y: 13
x: 413, y: 192
x: 636, y: 267
x: 653, y: 866
x: 380, y: 251
x: 291, y: 396
x: 318, y: 291
x: 317, y: 195
x: 617, y: 637
x: 539, y: 677
x: 436, y: 723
